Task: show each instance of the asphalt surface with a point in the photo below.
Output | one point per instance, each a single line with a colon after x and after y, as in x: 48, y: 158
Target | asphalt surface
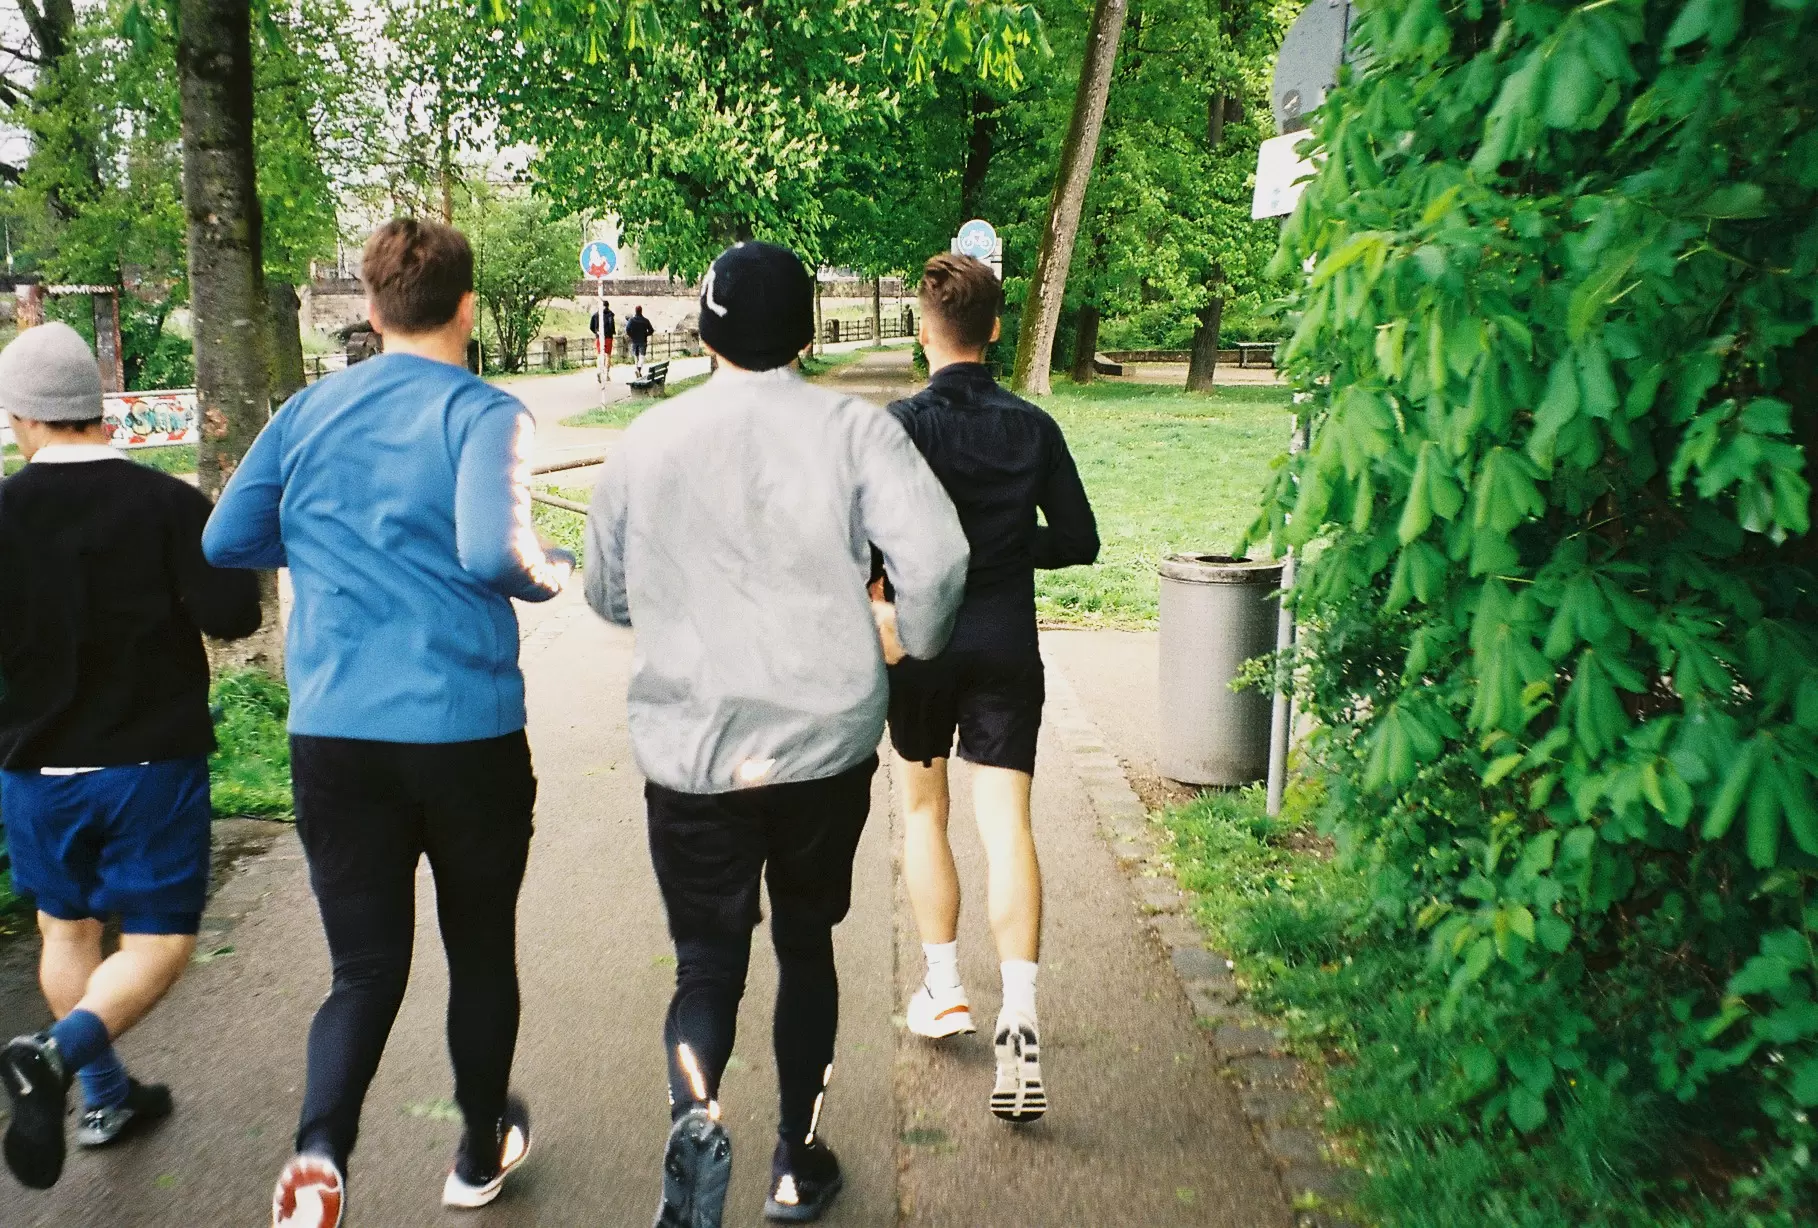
x: 1143, y: 1132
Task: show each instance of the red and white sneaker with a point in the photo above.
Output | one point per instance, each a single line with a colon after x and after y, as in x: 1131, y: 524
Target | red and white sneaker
x: 937, y: 1014
x: 311, y: 1193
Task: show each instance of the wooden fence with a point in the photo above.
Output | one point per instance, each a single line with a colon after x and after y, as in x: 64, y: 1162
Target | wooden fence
x: 890, y: 325
x: 548, y: 354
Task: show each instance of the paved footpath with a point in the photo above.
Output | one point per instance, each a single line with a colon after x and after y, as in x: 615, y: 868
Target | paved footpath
x: 1144, y: 1132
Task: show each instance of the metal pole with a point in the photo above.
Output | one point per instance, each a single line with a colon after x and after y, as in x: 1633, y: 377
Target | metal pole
x: 599, y: 338
x: 1281, y: 711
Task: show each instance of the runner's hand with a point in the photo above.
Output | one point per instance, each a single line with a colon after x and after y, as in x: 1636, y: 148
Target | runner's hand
x: 884, y: 613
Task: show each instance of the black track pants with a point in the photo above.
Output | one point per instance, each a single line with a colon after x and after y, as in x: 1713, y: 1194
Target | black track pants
x: 710, y: 850
x: 366, y: 812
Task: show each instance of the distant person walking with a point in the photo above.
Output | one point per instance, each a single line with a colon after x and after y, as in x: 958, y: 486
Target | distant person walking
x: 731, y: 528
x: 104, y: 738
x: 605, y: 326
x: 1001, y: 459
x: 638, y: 330
x: 397, y: 493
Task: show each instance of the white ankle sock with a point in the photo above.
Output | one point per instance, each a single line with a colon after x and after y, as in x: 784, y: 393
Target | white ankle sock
x: 943, y: 964
x: 1019, y: 986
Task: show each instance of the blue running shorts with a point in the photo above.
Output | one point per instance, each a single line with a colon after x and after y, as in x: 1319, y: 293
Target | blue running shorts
x: 131, y: 840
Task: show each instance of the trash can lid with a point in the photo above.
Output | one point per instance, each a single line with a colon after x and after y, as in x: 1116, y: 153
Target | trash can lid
x: 1220, y: 569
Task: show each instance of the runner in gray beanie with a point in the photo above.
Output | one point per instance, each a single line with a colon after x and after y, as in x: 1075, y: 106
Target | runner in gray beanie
x: 757, y: 306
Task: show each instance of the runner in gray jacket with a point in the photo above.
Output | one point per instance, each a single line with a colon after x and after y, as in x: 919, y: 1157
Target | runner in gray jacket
x: 733, y: 529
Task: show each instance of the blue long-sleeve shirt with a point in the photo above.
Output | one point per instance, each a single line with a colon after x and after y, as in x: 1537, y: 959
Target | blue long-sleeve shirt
x: 398, y: 494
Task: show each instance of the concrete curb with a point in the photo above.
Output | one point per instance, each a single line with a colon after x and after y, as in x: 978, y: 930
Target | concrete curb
x: 1272, y: 1086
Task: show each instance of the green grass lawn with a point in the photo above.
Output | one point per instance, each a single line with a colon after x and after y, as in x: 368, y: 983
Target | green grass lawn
x: 1167, y: 471
x: 178, y: 459
x: 249, y: 774
x: 623, y: 413
x: 560, y: 525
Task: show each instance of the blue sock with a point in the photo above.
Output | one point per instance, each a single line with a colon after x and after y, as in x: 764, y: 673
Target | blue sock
x: 104, y: 1084
x: 81, y: 1038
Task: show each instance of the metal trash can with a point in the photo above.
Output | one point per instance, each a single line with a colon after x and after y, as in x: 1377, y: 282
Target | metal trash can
x: 1217, y: 612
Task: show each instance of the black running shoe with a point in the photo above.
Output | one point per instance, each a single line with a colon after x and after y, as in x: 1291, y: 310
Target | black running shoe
x: 38, y: 1085
x: 697, y: 1166
x: 144, y: 1104
x: 803, y: 1182
x: 481, y: 1165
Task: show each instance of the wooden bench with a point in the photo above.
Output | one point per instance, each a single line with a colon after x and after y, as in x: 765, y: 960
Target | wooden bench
x: 656, y: 378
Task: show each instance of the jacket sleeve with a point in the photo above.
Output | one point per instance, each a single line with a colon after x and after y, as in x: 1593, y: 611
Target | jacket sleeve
x: 908, y: 517
x: 493, y: 532
x: 221, y: 601
x: 243, y: 530
x: 606, y: 525
x: 1070, y: 538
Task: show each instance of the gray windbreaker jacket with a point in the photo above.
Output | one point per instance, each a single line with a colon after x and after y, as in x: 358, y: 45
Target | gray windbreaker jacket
x: 732, y: 527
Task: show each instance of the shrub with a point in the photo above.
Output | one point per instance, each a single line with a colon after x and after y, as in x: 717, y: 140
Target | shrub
x: 1558, y: 343
x: 250, y: 774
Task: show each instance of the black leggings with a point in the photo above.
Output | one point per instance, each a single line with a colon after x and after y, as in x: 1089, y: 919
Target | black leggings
x: 710, y: 851
x: 366, y: 812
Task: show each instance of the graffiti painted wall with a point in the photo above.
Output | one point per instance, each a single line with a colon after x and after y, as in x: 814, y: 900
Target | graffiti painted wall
x: 145, y: 419
x: 151, y: 419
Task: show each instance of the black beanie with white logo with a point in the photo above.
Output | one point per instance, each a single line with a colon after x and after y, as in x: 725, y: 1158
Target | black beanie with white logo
x: 757, y: 306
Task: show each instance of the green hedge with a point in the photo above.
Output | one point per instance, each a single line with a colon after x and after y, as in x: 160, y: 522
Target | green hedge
x: 1563, y: 631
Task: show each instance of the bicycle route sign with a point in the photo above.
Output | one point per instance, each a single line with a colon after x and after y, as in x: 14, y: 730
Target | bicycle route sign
x: 979, y: 240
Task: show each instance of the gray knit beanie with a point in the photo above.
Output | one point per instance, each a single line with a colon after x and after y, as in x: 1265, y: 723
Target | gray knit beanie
x: 47, y: 374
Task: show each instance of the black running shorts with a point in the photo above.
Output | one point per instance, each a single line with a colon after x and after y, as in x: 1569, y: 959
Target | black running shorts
x: 993, y: 700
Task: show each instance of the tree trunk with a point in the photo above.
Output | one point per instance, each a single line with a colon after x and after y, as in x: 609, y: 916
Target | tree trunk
x: 1201, y: 367
x: 445, y: 167
x: 287, y: 378
x: 978, y: 154
x: 820, y: 323
x: 1085, y: 344
x: 877, y: 311
x: 1041, y: 310
x: 227, y: 282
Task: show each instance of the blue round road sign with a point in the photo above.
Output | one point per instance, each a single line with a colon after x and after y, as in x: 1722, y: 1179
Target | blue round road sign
x: 977, y: 239
x: 598, y: 260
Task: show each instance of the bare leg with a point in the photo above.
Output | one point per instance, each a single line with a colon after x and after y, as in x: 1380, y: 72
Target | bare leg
x: 72, y: 952
x: 928, y: 868
x: 1000, y: 800
x: 128, y: 983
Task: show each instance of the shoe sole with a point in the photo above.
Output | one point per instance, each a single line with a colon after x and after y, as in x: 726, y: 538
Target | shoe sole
x: 697, y: 1168
x: 1028, y: 1098
x: 34, y: 1145
x: 335, y: 1193
x: 804, y: 1213
x: 471, y: 1198
x: 953, y: 1025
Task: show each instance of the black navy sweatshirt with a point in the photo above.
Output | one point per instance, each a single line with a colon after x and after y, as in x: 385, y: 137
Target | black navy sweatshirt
x: 1000, y: 459
x: 104, y: 595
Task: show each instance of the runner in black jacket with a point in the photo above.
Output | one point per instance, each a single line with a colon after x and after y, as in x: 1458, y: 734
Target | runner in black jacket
x: 637, y: 331
x: 1001, y: 459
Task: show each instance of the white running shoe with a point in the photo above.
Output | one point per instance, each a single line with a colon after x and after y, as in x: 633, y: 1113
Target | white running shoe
x: 937, y: 1015
x: 1019, y: 1095
x: 479, y: 1172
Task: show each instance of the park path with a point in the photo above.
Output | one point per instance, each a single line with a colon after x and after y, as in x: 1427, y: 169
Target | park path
x: 1144, y: 1132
